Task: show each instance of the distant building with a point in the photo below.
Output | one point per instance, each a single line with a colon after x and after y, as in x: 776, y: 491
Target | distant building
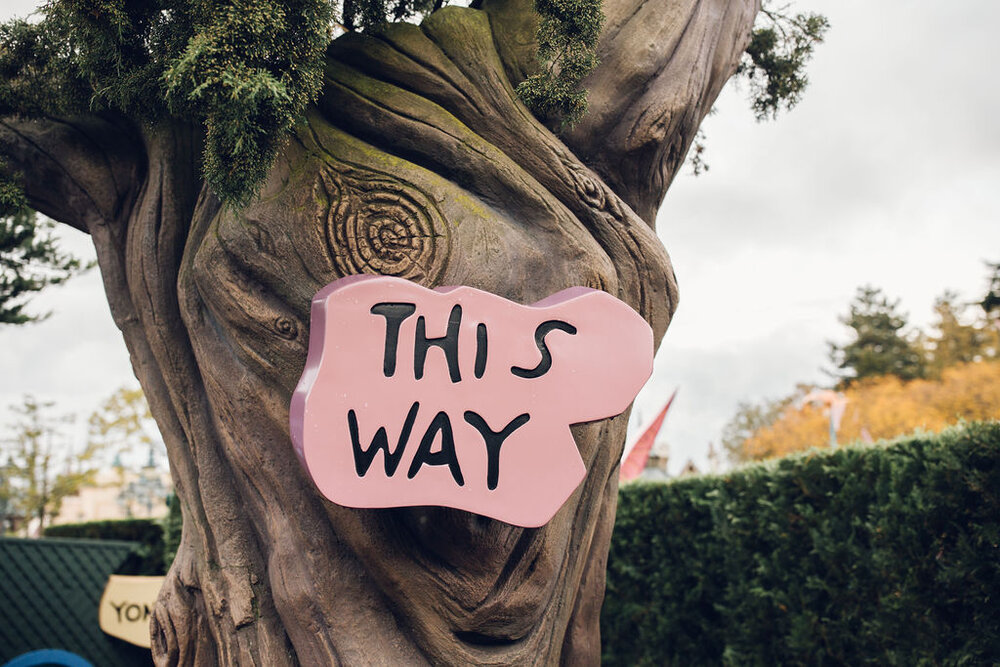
x: 656, y: 468
x: 119, y: 493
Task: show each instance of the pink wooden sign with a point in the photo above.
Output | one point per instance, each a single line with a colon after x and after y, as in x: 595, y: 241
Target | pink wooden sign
x: 460, y: 398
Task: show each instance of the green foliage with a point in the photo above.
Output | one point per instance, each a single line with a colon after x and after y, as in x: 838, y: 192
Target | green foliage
x: 146, y: 560
x: 248, y: 69
x: 158, y: 539
x: 12, y: 199
x: 775, y: 60
x: 38, y: 70
x: 878, y: 346
x: 696, y: 154
x: 244, y: 69
x: 567, y: 38
x: 773, y: 66
x: 30, y: 260
x: 879, y: 555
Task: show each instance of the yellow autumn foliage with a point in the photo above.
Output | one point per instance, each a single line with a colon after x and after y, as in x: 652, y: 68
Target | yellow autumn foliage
x: 886, y: 407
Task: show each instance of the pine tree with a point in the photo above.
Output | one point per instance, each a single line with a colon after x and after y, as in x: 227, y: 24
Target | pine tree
x: 879, y: 345
x: 30, y: 260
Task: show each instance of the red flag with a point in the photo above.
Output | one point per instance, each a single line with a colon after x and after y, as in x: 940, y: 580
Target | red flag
x: 634, y: 463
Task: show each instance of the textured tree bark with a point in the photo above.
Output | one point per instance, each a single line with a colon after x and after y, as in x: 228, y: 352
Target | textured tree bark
x: 417, y: 161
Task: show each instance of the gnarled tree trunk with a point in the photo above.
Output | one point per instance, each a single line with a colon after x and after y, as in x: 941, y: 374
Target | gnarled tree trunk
x: 417, y: 161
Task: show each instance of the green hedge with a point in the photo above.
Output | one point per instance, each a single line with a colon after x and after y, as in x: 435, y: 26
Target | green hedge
x: 158, y: 538
x: 148, y: 558
x: 881, y: 555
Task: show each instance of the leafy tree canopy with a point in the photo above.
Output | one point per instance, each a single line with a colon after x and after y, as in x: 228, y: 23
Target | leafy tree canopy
x: 245, y: 70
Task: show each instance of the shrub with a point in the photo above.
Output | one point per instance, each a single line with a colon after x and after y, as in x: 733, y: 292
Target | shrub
x: 861, y: 555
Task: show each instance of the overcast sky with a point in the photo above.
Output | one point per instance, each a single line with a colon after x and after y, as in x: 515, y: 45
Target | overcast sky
x: 886, y: 173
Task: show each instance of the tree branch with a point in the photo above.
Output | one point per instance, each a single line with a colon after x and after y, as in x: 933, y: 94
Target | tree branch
x: 80, y: 171
x: 662, y: 66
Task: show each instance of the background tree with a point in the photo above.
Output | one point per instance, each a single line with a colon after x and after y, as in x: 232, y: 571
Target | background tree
x: 279, y: 162
x: 954, y: 340
x: 42, y: 465
x: 883, y: 408
x: 30, y: 260
x: 879, y: 345
x: 749, y: 419
x: 991, y: 302
x: 124, y: 424
x: 963, y: 381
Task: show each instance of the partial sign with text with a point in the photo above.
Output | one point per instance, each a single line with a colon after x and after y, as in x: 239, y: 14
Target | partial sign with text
x: 126, y: 605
